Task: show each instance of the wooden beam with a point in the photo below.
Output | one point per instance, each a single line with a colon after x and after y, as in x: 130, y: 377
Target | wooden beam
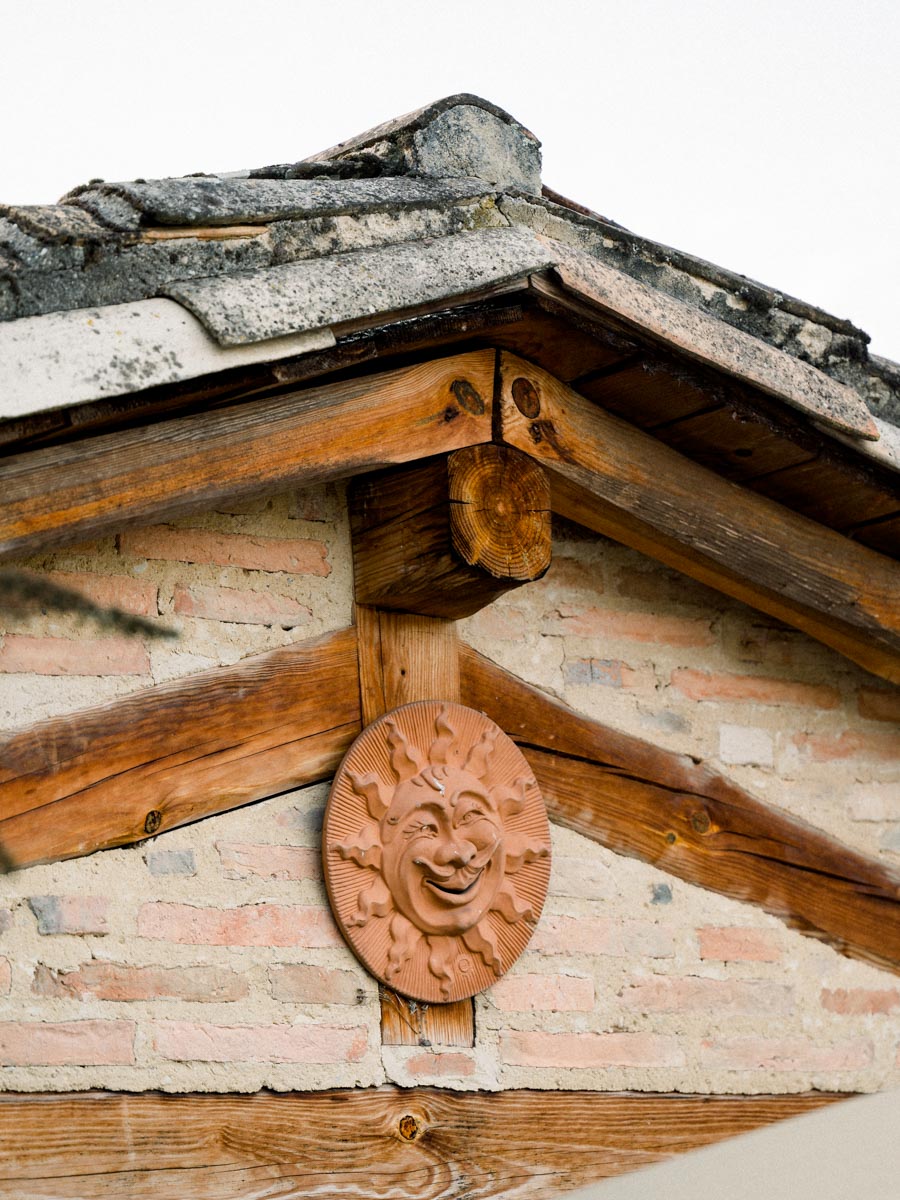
x: 402, y: 658
x: 178, y: 752
x: 447, y: 536
x: 420, y: 1143
x: 68, y: 493
x: 618, y: 481
x: 684, y: 818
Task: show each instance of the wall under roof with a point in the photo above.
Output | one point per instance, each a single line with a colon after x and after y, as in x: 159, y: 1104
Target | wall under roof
x: 206, y: 958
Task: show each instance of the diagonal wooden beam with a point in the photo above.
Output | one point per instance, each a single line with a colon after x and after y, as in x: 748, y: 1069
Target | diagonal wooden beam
x: 682, y: 817
x: 178, y: 752
x: 68, y: 493
x: 613, y: 478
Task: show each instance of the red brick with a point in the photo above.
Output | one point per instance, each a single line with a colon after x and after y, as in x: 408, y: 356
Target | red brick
x: 855, y: 1001
x: 302, y: 983
x: 784, y: 1054
x: 298, y: 556
x: 879, y: 704
x: 599, y: 935
x: 240, y: 860
x: 831, y: 747
x: 587, y: 1050
x: 543, y: 993
x: 5, y: 976
x: 116, y: 981
x: 759, y: 689
x: 632, y: 626
x: 137, y: 596
x: 197, y: 1041
x: 736, y: 944
x: 746, y: 997
x: 240, y: 607
x: 69, y: 656
x: 248, y: 925
x: 440, y: 1066
x: 66, y: 1043
x: 70, y: 914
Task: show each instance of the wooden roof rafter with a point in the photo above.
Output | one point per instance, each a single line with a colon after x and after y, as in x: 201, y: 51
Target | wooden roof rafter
x: 606, y: 475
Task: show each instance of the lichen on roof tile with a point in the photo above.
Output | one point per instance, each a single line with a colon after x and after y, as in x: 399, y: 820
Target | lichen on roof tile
x: 251, y: 306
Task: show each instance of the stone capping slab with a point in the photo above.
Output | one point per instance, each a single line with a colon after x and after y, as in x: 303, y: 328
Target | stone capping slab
x: 250, y: 306
x: 710, y: 341
x: 217, y: 200
x: 460, y: 134
x: 61, y: 359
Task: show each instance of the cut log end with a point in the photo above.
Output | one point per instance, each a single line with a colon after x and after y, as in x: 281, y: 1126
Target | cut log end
x: 500, y: 512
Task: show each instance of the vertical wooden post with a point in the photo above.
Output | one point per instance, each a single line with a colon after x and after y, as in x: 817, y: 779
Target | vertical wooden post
x: 402, y: 658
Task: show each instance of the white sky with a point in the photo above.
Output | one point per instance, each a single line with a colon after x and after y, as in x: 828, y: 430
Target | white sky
x: 762, y: 135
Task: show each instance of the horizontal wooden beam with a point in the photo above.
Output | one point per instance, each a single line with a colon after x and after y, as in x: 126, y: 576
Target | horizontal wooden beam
x: 419, y: 1144
x: 184, y: 750
x: 445, y: 537
x: 621, y: 482
x: 684, y: 818
x: 68, y: 493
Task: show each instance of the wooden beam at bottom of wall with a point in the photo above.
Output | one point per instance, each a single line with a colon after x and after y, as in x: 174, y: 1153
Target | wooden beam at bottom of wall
x: 381, y: 1141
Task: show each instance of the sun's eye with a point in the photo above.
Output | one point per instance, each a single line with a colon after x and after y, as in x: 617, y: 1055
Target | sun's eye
x: 421, y: 829
x: 474, y: 814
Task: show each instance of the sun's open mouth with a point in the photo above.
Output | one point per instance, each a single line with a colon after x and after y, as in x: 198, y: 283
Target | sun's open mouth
x: 453, y: 891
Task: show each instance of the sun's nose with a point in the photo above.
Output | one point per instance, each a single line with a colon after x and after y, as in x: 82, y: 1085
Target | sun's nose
x: 454, y: 853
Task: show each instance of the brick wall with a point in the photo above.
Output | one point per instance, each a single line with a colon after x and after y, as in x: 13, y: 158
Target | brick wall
x: 207, y: 959
x: 650, y: 652
x: 246, y: 578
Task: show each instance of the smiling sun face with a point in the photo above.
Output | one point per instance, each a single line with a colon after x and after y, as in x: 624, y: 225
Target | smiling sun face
x: 420, y: 849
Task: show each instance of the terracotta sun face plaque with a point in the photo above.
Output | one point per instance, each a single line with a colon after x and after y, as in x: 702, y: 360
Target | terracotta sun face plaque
x: 437, y: 850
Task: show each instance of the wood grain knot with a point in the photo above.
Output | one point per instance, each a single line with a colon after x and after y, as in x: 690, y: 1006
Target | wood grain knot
x: 409, y: 1128
x: 152, y: 821
x: 468, y: 397
x: 526, y: 397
